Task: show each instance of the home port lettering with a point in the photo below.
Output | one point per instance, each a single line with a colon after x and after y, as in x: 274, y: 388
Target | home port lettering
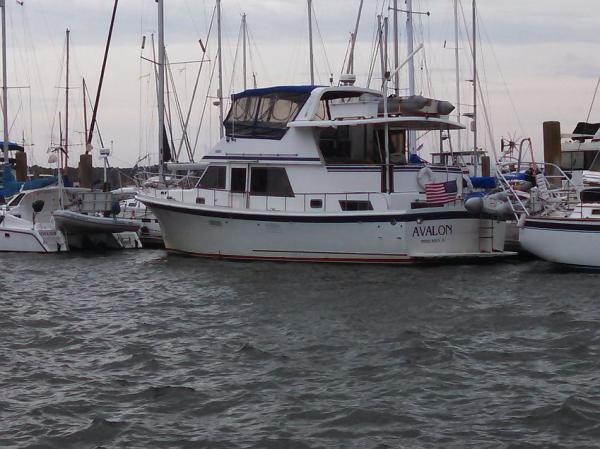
x: 432, y: 233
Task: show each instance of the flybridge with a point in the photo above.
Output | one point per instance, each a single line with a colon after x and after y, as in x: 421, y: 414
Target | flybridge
x: 265, y: 113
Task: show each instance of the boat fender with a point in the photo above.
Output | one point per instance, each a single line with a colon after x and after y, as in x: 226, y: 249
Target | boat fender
x: 424, y: 177
x: 521, y: 222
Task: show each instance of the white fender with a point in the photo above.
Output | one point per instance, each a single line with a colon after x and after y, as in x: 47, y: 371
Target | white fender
x: 424, y: 177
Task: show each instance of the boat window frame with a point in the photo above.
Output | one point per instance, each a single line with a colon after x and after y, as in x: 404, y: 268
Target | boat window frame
x: 358, y: 203
x: 245, y: 179
x: 223, y: 171
x: 16, y: 200
x: 252, y: 127
x: 287, y: 192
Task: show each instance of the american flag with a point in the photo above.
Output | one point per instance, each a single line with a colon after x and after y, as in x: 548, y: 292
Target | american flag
x: 441, y: 192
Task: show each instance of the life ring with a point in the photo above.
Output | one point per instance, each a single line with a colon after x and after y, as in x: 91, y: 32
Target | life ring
x: 424, y: 177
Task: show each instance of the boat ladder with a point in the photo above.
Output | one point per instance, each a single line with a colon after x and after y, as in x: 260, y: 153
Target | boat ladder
x: 486, y: 236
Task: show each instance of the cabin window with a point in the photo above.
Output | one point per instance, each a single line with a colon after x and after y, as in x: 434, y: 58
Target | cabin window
x: 263, y: 116
x: 238, y: 180
x: 16, y: 200
x: 595, y: 211
x: 316, y: 204
x: 355, y: 205
x: 351, y: 145
x: 214, y: 177
x: 270, y: 181
x: 573, y: 160
x: 200, y: 200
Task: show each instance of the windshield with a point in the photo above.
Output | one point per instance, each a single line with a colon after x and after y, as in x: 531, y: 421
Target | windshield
x: 263, y: 116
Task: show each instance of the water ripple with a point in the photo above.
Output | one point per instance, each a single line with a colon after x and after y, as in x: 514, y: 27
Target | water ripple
x: 137, y: 349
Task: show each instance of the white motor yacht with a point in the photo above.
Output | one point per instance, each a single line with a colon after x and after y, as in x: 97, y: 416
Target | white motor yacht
x: 319, y: 174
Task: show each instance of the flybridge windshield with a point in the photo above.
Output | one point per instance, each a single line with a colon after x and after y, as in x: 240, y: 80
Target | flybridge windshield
x: 263, y: 116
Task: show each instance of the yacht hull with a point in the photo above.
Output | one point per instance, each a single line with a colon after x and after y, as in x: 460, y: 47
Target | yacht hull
x: 17, y: 235
x: 348, y: 237
x: 567, y: 241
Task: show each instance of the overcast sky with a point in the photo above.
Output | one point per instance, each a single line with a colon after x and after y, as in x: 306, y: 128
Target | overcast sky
x: 538, y: 62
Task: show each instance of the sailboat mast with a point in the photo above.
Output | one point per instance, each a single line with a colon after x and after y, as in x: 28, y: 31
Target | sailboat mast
x: 310, y: 44
x: 85, y: 122
x: 396, y: 52
x: 4, y: 84
x: 457, y: 66
x: 412, y: 135
x: 220, y: 56
x: 244, y: 44
x: 350, y: 70
x: 161, y: 86
x: 474, y: 75
x: 66, y: 155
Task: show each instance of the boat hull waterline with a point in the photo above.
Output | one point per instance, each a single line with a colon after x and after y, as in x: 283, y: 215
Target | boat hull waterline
x: 351, y: 237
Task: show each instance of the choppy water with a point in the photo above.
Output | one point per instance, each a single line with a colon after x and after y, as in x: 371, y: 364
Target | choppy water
x: 139, y: 350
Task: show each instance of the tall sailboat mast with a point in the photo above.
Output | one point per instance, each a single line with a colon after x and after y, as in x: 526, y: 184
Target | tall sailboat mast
x: 4, y: 84
x: 412, y: 135
x: 244, y: 45
x: 310, y: 44
x: 66, y: 153
x: 474, y: 74
x: 220, y: 56
x: 161, y: 86
x: 396, y: 51
x: 350, y: 70
x: 456, y: 61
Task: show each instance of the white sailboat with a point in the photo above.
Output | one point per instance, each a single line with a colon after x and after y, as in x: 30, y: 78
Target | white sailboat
x: 22, y: 232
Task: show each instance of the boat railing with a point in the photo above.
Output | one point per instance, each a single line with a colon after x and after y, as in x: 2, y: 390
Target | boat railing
x: 299, y: 202
x: 559, y: 190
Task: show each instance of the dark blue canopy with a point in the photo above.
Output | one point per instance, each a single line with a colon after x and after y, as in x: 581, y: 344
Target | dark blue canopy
x: 275, y: 89
x: 12, y: 187
x: 12, y: 146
